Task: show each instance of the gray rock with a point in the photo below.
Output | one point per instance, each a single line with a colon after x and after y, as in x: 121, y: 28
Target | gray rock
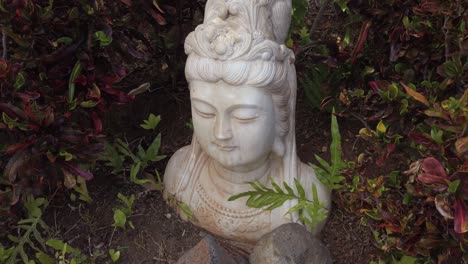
x: 208, y: 251
x: 290, y: 244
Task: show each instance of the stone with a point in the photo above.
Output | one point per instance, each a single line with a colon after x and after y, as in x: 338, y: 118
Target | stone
x: 208, y: 251
x: 242, y: 84
x: 290, y: 243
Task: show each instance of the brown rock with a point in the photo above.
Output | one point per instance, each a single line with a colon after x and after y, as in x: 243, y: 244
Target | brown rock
x: 288, y: 244
x: 208, y: 251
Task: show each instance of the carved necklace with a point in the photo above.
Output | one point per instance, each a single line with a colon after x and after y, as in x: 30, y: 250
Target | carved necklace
x: 219, y: 208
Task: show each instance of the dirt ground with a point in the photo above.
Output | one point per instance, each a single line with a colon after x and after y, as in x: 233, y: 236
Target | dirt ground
x: 159, y: 235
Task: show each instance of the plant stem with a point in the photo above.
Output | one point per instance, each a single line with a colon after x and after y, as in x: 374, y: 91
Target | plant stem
x: 4, y: 45
x: 318, y: 17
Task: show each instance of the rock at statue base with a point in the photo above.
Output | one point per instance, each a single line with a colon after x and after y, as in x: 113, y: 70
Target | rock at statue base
x: 208, y: 251
x: 290, y: 243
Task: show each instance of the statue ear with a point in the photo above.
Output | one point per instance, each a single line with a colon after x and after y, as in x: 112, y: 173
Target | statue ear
x: 279, y: 147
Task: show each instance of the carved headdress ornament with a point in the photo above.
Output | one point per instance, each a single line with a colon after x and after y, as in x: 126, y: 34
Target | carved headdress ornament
x: 242, y: 30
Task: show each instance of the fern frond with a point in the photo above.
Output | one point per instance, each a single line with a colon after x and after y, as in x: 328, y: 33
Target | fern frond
x: 30, y: 230
x: 269, y: 199
x: 330, y: 173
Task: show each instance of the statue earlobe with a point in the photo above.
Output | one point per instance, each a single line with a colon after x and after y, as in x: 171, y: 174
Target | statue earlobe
x: 279, y: 146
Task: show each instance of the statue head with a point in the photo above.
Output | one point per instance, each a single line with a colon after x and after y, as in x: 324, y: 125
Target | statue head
x: 242, y: 81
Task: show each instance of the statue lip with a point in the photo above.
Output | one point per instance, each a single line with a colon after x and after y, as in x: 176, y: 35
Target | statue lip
x: 226, y: 148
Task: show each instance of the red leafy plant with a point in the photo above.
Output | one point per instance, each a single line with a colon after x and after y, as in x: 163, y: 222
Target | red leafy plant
x: 403, y: 76
x: 448, y: 193
x: 56, y: 81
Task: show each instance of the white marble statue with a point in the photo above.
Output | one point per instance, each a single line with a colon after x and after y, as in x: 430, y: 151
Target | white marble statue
x: 242, y: 84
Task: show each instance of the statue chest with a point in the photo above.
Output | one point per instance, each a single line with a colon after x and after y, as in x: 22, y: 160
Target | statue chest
x: 242, y: 224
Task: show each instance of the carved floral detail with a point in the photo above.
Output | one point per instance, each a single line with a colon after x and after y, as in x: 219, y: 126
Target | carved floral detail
x: 242, y: 30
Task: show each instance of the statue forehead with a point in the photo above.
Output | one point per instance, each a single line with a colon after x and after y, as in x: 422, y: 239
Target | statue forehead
x: 213, y: 91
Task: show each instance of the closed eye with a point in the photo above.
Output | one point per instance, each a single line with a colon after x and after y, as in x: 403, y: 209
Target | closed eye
x: 203, y: 108
x: 245, y: 114
x: 204, y: 114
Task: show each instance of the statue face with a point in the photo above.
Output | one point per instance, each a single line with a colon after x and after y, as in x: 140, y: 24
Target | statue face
x: 234, y: 125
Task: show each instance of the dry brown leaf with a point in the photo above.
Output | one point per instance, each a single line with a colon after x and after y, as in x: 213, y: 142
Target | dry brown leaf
x: 416, y: 96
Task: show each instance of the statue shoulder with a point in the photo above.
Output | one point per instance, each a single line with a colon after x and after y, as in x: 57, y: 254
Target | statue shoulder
x: 174, y: 169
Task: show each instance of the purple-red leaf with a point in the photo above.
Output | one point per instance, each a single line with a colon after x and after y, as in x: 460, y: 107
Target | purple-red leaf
x: 432, y: 166
x: 423, y: 139
x: 12, y: 110
x: 19, y: 146
x: 28, y: 96
x: 97, y: 123
x: 127, y: 2
x: 3, y: 68
x: 438, y: 183
x: 159, y: 19
x: 87, y: 175
x: 15, y: 162
x: 461, y: 216
x: 362, y: 39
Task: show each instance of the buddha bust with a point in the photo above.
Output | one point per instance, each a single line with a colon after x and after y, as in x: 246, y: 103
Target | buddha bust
x: 242, y: 84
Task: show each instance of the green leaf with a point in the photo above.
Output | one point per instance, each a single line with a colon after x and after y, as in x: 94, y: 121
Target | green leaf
x: 82, y: 189
x: 128, y: 203
x: 343, y: 4
x: 269, y: 199
x: 335, y: 148
x: 64, y: 40
x: 119, y: 218
x: 89, y: 104
x: 381, y: 128
x: 19, y: 81
x: 451, y: 69
x: 153, y: 149
x: 44, y: 258
x: 300, y: 189
x: 124, y: 149
x: 299, y: 206
x: 324, y: 164
x: 115, y: 160
x: 66, y: 155
x: 453, y: 186
x: 406, y: 22
x: 61, y: 246
x: 288, y: 188
x: 103, y: 39
x: 185, y: 209
x: 134, y: 170
x: 330, y: 174
x: 71, y: 82
x: 404, y: 106
x: 151, y: 123
x: 277, y: 188
x: 367, y: 70
x: 114, y: 254
x: 56, y: 244
x: 408, y: 260
x: 10, y: 122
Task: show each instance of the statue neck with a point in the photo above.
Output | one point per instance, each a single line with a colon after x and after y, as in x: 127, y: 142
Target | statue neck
x: 219, y: 174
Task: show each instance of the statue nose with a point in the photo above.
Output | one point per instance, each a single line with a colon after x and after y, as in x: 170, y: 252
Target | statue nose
x: 223, y: 129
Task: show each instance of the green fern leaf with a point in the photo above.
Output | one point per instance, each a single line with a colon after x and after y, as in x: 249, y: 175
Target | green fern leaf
x: 288, y: 189
x: 269, y: 199
x: 300, y: 189
x: 330, y: 173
